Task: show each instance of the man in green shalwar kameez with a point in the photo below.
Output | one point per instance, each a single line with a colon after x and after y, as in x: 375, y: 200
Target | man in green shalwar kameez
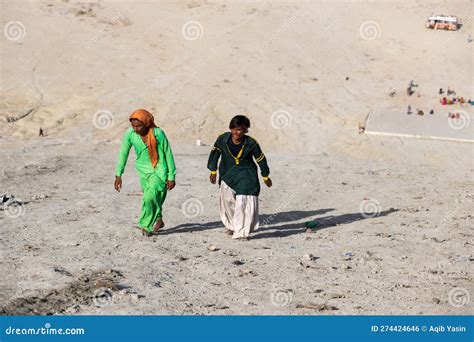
x: 154, y: 164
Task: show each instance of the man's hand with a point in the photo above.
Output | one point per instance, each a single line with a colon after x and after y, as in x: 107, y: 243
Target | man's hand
x: 212, y: 178
x: 170, y: 184
x: 268, y: 182
x: 118, y: 183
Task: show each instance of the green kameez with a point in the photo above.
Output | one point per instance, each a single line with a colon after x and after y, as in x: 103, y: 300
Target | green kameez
x: 240, y: 173
x: 152, y: 179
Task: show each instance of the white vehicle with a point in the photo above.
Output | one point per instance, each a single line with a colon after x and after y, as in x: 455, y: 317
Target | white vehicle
x: 442, y: 22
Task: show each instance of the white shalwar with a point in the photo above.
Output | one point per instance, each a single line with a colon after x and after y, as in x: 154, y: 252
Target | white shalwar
x: 239, y: 213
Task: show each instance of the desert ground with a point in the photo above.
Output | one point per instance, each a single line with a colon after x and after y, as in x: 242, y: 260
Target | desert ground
x: 395, y: 229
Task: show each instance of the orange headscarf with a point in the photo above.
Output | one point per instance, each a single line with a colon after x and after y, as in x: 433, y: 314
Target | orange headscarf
x: 147, y: 119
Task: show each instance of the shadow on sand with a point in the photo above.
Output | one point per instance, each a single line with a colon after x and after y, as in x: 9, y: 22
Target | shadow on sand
x: 282, y: 224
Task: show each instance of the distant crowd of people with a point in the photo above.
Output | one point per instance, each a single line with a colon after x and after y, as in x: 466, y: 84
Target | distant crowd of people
x: 418, y: 111
x: 449, y: 99
x: 454, y: 99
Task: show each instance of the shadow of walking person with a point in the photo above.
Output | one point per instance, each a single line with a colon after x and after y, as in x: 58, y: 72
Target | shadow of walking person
x: 324, y: 222
x: 265, y: 219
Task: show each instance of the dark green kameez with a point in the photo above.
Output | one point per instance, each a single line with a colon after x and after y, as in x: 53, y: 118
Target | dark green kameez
x: 239, y: 172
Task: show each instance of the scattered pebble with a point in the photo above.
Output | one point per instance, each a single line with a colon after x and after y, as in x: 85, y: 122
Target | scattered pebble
x: 39, y: 197
x: 319, y: 307
x: 213, y: 248
x: 347, y: 256
x: 246, y: 271
x: 62, y: 271
x: 463, y: 258
x: 336, y: 296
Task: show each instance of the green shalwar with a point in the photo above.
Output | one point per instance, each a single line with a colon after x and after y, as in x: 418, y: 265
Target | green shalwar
x: 152, y: 179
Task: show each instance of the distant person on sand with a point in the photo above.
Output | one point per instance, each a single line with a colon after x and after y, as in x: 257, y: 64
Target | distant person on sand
x: 238, y: 178
x: 154, y: 164
x: 41, y: 132
x: 409, y: 109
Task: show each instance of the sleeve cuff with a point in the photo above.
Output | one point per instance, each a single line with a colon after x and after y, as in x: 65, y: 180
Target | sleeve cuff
x: 265, y: 178
x: 213, y: 172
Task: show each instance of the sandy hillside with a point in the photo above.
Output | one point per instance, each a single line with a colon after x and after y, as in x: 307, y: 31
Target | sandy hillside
x: 306, y: 73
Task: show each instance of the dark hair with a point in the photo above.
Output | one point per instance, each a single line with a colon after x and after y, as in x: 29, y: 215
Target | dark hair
x: 239, y: 121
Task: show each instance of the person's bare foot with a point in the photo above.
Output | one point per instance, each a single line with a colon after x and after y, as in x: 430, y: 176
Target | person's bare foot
x: 229, y: 232
x: 158, y: 225
x: 146, y: 233
x: 243, y: 238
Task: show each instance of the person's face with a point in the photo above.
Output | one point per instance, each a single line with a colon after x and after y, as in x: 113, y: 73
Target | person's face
x: 138, y: 127
x: 238, y: 132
